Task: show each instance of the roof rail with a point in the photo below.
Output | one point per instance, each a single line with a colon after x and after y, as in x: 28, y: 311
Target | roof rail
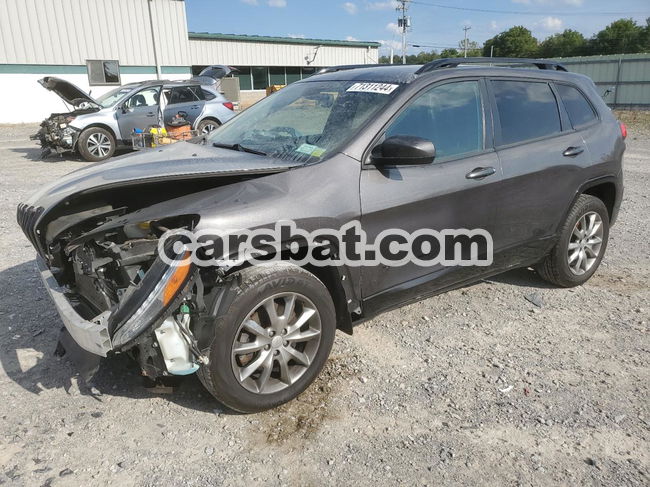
x: 346, y: 67
x: 455, y: 62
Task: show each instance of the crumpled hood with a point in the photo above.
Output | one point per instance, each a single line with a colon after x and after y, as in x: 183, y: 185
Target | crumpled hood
x: 181, y: 160
x: 69, y: 93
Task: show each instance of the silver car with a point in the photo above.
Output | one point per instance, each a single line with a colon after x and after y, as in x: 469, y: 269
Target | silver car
x: 97, y: 126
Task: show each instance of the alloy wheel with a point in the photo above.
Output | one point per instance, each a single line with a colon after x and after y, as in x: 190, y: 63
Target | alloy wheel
x: 208, y: 127
x: 585, y: 243
x: 276, y: 343
x: 99, y: 145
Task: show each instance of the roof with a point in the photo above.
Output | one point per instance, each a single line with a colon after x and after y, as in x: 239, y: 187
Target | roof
x: 406, y: 73
x: 279, y: 40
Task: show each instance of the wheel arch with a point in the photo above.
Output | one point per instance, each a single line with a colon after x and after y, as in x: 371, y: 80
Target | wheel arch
x: 208, y: 117
x: 338, y: 283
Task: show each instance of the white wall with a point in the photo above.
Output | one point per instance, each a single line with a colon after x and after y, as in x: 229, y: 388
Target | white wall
x: 24, y: 100
x: 69, y: 32
x: 238, y: 53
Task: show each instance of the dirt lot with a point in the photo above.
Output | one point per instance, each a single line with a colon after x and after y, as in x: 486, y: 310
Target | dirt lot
x: 477, y: 386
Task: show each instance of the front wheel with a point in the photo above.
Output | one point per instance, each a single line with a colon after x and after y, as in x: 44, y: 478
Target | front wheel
x: 581, y: 246
x: 273, y: 339
x: 96, y: 144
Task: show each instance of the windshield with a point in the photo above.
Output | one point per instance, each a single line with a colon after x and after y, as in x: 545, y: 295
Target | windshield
x: 109, y: 99
x: 305, y: 121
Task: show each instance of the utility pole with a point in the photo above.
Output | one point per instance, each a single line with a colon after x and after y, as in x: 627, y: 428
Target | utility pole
x: 466, y: 28
x: 403, y: 23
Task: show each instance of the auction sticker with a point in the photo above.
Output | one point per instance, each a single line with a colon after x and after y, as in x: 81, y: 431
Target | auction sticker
x: 382, y: 88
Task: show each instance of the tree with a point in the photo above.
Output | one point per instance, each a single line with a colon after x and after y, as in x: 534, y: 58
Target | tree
x: 514, y: 42
x: 450, y: 53
x: 564, y: 44
x: 473, y: 48
x: 620, y: 37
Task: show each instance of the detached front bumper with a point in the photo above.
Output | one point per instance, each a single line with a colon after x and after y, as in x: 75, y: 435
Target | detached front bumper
x: 92, y: 336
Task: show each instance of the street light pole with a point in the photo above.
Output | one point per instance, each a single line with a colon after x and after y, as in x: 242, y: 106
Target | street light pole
x: 466, y: 28
x: 403, y: 23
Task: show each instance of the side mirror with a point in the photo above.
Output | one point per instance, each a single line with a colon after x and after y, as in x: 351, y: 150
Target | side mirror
x: 403, y: 150
x: 126, y: 108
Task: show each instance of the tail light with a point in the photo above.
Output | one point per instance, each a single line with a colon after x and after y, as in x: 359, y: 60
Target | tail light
x: 623, y: 130
x: 229, y: 105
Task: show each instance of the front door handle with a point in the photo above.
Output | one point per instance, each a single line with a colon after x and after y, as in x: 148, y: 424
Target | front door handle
x: 480, y: 173
x: 151, y: 114
x: 573, y: 151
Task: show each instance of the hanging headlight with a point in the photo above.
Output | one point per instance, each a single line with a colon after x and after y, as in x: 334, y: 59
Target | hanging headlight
x: 158, y: 289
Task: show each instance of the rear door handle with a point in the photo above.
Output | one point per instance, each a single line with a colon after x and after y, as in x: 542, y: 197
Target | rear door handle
x: 573, y: 151
x: 195, y: 107
x: 480, y: 173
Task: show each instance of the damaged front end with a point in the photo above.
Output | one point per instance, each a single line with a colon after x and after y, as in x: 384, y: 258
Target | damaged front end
x: 97, y: 233
x: 57, y: 135
x: 115, y: 294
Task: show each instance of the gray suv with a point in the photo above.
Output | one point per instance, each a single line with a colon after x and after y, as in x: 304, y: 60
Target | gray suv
x: 533, y: 156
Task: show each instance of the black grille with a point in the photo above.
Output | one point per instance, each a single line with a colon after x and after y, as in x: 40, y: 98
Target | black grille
x: 27, y: 217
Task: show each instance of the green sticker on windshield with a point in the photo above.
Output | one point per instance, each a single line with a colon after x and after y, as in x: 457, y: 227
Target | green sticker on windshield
x: 311, y: 150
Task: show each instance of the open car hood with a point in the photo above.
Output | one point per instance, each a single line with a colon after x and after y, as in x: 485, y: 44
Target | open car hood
x: 68, y: 92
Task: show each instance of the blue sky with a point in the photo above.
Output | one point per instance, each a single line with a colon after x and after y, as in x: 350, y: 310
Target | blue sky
x: 375, y: 20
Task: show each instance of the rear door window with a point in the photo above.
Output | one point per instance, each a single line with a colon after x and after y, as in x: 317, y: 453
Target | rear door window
x: 183, y: 94
x: 579, y: 109
x: 527, y: 110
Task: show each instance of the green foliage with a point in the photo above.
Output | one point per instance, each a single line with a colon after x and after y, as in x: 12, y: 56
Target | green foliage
x: 514, y: 42
x: 564, y: 44
x: 622, y: 36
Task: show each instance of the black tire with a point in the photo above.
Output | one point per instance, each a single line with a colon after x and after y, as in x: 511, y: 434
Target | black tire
x: 253, y: 286
x: 205, y: 123
x: 88, y: 147
x: 555, y: 267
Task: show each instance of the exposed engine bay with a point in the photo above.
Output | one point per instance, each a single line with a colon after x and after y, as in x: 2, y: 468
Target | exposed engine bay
x: 57, y: 135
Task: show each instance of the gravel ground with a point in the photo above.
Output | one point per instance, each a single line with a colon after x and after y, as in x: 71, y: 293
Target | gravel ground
x: 476, y: 386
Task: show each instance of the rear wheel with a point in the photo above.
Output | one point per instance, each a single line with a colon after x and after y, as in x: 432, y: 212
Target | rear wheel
x: 581, y: 246
x: 208, y: 125
x: 273, y: 339
x: 96, y: 144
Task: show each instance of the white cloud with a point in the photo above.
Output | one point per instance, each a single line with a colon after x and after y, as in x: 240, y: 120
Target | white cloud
x: 278, y: 3
x: 250, y: 2
x: 494, y: 25
x: 551, y: 23
x: 350, y: 8
x: 396, y: 45
x: 351, y: 38
x: 391, y: 4
x: 297, y: 36
x: 393, y: 28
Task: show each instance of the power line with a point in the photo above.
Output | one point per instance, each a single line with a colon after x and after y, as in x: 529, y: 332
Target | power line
x: 519, y: 12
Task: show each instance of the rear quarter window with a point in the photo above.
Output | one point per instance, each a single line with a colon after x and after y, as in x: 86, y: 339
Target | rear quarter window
x: 579, y: 109
x: 527, y: 110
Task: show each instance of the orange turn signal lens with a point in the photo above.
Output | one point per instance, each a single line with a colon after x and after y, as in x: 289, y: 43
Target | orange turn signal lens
x: 177, y: 279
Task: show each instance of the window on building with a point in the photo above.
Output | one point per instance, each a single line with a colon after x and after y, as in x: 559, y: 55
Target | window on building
x: 527, y: 110
x: 448, y: 115
x: 103, y: 72
x: 260, y: 78
x: 244, y: 75
x: 277, y: 75
x: 579, y: 109
x: 293, y: 75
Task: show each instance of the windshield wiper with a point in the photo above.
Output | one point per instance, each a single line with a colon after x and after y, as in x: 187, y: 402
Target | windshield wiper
x: 239, y: 147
